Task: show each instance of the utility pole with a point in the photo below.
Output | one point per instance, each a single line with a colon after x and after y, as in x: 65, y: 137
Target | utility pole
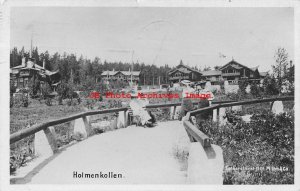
x: 31, y: 45
x: 159, y: 80
x: 131, y: 67
x: 153, y: 79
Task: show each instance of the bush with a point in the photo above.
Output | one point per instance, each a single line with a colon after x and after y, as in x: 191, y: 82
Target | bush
x: 45, y: 89
x: 222, y: 86
x: 13, y: 88
x: 34, y: 86
x: 270, y: 86
x: 268, y: 141
x: 20, y: 100
x: 242, y: 86
x: 255, y: 89
x: 48, y: 101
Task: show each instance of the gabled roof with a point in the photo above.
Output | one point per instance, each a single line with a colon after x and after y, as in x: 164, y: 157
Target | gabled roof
x: 263, y: 74
x: 181, y: 70
x: 49, y: 73
x: 185, y: 66
x: 212, y: 73
x: 111, y: 73
x: 17, y: 67
x: 127, y: 73
x: 254, y: 68
x: 30, y: 65
x: 235, y: 64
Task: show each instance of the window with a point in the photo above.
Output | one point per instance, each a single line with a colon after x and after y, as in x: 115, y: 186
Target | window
x: 21, y: 82
x: 25, y: 82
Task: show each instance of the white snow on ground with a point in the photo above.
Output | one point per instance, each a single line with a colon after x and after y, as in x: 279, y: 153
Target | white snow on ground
x: 141, y: 155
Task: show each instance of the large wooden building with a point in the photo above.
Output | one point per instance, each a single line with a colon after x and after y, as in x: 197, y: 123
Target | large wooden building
x: 22, y: 75
x: 233, y: 72
x: 183, y: 72
x: 126, y: 76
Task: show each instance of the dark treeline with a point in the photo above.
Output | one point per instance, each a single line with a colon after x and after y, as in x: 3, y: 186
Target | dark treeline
x: 80, y: 69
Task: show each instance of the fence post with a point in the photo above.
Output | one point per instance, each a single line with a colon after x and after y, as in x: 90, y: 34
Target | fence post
x: 129, y: 118
x: 114, y: 123
x: 86, y: 125
x: 125, y: 118
x: 174, y: 112
x: 50, y: 134
x: 271, y: 105
x: 277, y: 107
x: 218, y: 117
x: 192, y: 119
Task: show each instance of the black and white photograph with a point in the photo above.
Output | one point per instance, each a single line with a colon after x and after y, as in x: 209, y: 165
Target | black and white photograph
x: 151, y: 95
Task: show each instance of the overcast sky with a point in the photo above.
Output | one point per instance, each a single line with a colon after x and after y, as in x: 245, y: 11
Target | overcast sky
x: 159, y: 35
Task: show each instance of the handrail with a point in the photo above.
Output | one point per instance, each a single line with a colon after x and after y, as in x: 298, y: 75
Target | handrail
x: 287, y: 98
x: 230, y: 104
x: 179, y: 104
x: 197, y: 111
x: 196, y: 134
x: 35, y: 128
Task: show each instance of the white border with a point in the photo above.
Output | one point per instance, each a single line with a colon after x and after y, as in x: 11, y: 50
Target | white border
x: 4, y: 86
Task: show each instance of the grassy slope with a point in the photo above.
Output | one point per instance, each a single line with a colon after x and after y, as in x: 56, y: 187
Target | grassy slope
x: 22, y: 117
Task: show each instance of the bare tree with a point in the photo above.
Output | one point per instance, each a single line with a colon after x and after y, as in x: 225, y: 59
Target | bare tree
x: 280, y: 68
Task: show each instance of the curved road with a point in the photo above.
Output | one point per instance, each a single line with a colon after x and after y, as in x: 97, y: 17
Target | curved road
x: 140, y: 155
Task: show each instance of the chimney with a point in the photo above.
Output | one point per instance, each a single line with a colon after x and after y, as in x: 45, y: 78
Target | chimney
x: 291, y: 63
x: 44, y: 64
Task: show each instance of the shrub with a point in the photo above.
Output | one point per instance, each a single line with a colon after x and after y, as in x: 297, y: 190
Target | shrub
x: 270, y: 86
x: 222, y: 86
x: 48, y: 101
x: 20, y: 100
x: 268, y: 141
x: 13, y: 88
x: 255, y: 89
x: 34, y: 86
x: 242, y: 86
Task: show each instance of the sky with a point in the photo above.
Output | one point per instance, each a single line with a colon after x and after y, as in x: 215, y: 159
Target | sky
x: 158, y: 36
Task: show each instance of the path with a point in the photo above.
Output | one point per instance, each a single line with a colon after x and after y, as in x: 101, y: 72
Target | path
x: 141, y: 155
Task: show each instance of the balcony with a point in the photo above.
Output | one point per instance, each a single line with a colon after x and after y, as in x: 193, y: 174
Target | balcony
x: 179, y: 78
x: 231, y: 74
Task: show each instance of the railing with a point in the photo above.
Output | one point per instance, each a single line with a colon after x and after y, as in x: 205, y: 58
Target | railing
x: 45, y: 126
x: 193, y: 132
x: 29, y: 131
x: 179, y: 77
x: 231, y: 74
x: 196, y: 135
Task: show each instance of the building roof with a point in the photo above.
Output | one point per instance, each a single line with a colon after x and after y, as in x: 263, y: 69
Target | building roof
x: 111, y: 73
x: 182, y: 70
x: 32, y: 66
x: 185, y: 66
x: 254, y: 68
x: 212, y: 73
x: 17, y: 67
x: 236, y: 65
x: 126, y: 73
x: 49, y: 73
x: 263, y: 74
